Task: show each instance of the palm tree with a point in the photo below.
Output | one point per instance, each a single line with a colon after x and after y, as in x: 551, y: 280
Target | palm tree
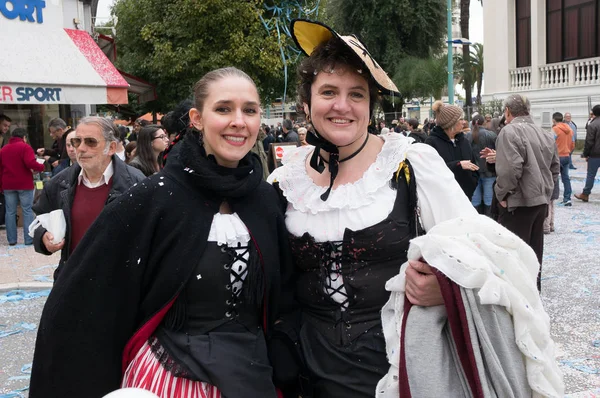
x: 477, y: 68
x: 464, y: 31
x: 469, y: 70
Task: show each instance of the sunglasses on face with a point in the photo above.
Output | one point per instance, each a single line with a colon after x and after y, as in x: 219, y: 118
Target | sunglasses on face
x: 89, y: 142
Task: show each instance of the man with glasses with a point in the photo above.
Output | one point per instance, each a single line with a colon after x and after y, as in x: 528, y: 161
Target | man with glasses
x: 85, y: 188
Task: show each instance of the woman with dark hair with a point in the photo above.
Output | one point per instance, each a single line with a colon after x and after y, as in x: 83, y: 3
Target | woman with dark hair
x: 130, y: 151
x: 354, y: 202
x: 182, y: 311
x: 151, y: 142
x: 178, y: 120
x: 481, y: 138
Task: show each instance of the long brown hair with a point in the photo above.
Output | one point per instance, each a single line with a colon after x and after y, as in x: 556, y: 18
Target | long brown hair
x: 476, y: 124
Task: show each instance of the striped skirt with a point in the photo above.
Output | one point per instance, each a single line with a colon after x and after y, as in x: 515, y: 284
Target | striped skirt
x: 146, y: 372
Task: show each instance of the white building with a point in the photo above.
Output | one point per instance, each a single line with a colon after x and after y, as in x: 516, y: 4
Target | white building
x: 50, y: 65
x: 548, y: 50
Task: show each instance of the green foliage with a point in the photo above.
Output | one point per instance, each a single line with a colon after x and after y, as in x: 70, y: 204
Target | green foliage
x: 392, y: 29
x: 473, y: 70
x: 421, y: 77
x: 172, y: 43
x: 491, y: 106
x: 404, y: 36
x: 106, y: 28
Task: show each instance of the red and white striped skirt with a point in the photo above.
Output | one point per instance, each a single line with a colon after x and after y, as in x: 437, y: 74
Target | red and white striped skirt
x: 146, y: 372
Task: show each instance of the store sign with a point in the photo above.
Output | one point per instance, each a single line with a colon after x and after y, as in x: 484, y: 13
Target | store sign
x: 25, y: 10
x: 42, y: 95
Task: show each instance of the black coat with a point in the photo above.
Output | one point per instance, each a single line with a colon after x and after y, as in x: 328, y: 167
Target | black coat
x: 132, y: 262
x: 59, y: 193
x: 453, y: 153
x: 485, y: 139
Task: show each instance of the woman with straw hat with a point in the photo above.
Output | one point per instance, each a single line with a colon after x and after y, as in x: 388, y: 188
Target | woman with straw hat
x: 353, y: 203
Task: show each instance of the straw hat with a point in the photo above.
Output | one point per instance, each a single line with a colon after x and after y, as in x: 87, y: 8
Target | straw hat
x: 309, y: 34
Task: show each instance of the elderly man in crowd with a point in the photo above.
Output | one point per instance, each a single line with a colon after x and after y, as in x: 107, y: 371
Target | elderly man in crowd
x: 56, y: 128
x: 527, y: 165
x: 83, y: 189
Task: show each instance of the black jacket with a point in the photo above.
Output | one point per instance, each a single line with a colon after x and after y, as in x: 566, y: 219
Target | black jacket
x: 58, y: 151
x: 59, y: 193
x: 485, y: 139
x: 418, y: 135
x: 133, y: 261
x: 592, y: 139
x: 453, y: 153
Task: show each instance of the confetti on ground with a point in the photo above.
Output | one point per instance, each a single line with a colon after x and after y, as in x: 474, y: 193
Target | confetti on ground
x: 18, y: 295
x: 578, y: 364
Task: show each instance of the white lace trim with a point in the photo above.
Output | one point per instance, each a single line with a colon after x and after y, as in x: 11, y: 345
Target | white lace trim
x: 304, y: 195
x: 228, y: 229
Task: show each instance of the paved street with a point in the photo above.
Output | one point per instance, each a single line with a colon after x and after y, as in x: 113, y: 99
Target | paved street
x: 571, y: 292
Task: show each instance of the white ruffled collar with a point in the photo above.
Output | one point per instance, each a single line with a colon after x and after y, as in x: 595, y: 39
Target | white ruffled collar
x: 305, y: 196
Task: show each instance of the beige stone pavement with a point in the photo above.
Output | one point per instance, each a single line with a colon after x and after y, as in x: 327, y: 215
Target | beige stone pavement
x: 22, y: 267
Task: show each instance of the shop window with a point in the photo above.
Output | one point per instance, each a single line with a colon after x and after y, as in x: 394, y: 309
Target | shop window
x: 34, y: 118
x: 572, y: 29
x: 523, y: 8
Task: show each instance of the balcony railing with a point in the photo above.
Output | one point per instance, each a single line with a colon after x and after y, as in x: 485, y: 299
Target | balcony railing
x: 555, y: 75
x: 586, y: 71
x: 520, y: 79
x: 582, y: 72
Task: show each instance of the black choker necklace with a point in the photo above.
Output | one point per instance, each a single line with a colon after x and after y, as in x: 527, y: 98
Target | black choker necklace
x: 353, y: 154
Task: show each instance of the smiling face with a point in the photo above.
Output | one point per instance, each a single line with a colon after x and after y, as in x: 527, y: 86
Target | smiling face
x: 229, y: 119
x: 339, y: 108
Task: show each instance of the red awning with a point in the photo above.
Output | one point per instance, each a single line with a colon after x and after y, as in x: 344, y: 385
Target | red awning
x: 116, y: 85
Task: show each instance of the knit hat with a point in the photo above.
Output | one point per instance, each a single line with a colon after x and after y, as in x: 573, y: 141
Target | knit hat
x: 446, y: 116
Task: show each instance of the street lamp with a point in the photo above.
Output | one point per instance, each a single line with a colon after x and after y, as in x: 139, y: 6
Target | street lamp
x: 450, y: 60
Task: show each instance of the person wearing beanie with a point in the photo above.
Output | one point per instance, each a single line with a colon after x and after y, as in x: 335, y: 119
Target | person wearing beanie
x: 450, y: 143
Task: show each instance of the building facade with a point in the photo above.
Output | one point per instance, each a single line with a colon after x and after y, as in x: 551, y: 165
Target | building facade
x: 548, y: 50
x: 50, y: 65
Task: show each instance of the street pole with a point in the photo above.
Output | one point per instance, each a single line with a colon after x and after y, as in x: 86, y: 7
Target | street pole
x: 450, y: 61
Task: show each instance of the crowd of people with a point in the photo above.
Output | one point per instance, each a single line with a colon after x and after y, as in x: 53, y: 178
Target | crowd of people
x: 192, y: 266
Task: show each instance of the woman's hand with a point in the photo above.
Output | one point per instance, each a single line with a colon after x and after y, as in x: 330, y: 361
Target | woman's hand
x: 468, y: 165
x: 488, y: 154
x: 422, y: 287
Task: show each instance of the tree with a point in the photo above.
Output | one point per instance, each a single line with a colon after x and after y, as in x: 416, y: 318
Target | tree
x: 465, y: 13
x: 172, y: 43
x: 421, y: 77
x: 393, y: 30
x: 464, y: 31
x: 471, y: 71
